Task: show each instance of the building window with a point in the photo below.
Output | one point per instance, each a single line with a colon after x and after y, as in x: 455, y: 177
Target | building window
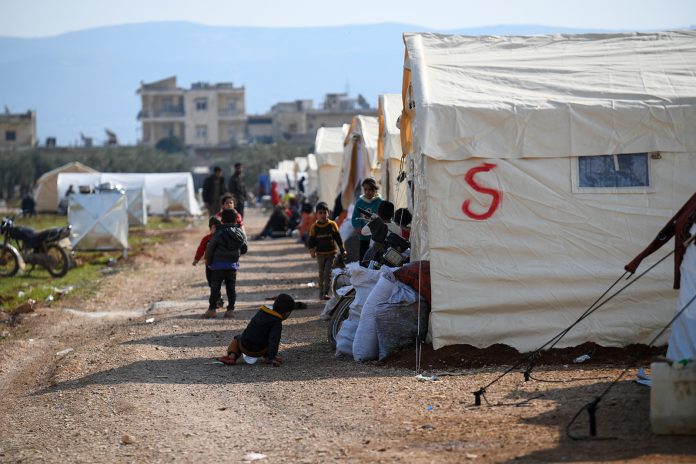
x: 168, y: 130
x: 613, y: 173
x: 201, y: 132
x: 201, y: 104
x: 231, y: 107
x: 231, y: 134
x: 10, y: 136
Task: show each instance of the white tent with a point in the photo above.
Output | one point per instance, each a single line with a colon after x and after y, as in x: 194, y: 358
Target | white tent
x: 389, y: 149
x: 360, y: 156
x: 47, y: 195
x: 541, y: 166
x: 153, y: 183
x: 281, y: 177
x: 137, y: 211
x: 312, y: 184
x: 99, y: 221
x: 328, y: 148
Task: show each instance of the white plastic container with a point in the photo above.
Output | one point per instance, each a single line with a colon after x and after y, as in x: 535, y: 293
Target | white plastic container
x: 673, y: 399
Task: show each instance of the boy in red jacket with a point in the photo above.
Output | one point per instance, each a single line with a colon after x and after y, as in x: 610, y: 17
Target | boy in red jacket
x: 213, y: 223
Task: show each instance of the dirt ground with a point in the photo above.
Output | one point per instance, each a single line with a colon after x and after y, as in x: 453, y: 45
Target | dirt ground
x: 92, y: 381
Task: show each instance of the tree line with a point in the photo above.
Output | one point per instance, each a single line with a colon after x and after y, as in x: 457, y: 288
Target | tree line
x: 19, y: 170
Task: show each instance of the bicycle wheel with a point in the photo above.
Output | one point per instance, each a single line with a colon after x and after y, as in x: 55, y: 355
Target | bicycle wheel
x: 57, y: 262
x: 9, y: 261
x: 340, y: 314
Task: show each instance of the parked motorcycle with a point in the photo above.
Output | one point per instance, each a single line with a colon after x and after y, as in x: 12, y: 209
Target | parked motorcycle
x: 23, y: 245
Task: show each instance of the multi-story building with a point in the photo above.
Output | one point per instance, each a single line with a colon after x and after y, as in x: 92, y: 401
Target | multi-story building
x: 17, y: 130
x: 206, y: 115
x: 299, y: 120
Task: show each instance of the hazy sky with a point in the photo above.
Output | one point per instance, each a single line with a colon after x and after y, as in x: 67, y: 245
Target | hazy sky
x: 32, y: 18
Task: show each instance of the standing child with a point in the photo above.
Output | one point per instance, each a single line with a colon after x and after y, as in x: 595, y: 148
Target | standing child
x: 213, y: 223
x: 222, y: 255
x: 368, y: 201
x: 262, y: 335
x: 323, y: 238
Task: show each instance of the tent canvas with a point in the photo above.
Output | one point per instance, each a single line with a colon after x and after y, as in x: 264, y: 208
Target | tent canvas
x: 99, y: 221
x: 328, y: 148
x: 389, y: 149
x: 360, y: 156
x: 532, y: 191
x: 312, y: 184
x: 153, y: 183
x: 137, y: 212
x: 47, y: 195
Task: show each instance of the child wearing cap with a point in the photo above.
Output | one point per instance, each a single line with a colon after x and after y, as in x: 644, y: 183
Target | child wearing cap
x: 262, y: 335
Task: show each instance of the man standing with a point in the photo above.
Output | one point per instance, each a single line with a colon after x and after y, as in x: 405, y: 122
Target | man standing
x: 213, y: 189
x: 237, y: 188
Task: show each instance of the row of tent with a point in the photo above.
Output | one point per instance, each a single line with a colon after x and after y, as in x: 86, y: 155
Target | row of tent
x: 368, y: 147
x: 102, y: 206
x: 536, y: 167
x: 160, y: 192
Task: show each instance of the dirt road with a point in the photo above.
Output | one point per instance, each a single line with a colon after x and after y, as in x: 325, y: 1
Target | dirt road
x: 92, y: 381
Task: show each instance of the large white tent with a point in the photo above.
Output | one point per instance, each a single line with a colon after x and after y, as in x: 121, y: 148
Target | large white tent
x: 47, y: 194
x: 154, y: 185
x: 312, y: 184
x: 541, y: 166
x: 328, y: 148
x: 360, y: 156
x: 389, y: 149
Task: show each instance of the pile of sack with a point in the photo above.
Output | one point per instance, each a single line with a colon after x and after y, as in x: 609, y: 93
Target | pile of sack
x: 390, y: 311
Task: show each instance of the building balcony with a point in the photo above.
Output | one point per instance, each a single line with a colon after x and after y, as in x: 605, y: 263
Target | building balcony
x: 231, y: 115
x: 162, y: 114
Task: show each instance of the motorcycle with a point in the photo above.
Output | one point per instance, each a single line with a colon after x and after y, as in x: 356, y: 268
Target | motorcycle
x: 23, y: 245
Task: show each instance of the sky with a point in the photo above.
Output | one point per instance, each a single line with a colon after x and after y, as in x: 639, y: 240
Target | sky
x: 41, y: 18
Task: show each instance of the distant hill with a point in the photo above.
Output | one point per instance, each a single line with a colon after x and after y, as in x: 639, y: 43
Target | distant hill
x: 86, y: 81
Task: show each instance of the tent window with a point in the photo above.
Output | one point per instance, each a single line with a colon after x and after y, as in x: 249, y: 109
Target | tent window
x: 614, y: 171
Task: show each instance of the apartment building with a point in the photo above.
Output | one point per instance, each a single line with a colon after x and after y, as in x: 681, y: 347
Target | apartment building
x: 298, y: 121
x: 205, y: 115
x: 17, y: 129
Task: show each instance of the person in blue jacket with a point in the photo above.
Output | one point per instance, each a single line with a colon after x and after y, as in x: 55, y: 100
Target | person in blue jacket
x: 368, y: 201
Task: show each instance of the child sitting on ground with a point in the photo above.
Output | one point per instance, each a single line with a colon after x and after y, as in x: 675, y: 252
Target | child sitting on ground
x: 213, y: 223
x: 323, y: 238
x: 222, y: 255
x: 262, y: 335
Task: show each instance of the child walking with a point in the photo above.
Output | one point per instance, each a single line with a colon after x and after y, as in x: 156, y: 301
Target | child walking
x: 213, y: 223
x: 222, y: 255
x: 322, y: 243
x: 262, y: 335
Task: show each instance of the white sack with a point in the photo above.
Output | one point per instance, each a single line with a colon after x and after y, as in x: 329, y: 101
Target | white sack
x: 365, y: 343
x: 363, y: 280
x: 345, y: 336
x: 682, y: 340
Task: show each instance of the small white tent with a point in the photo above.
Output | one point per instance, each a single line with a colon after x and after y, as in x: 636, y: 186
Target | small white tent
x: 328, y: 148
x: 541, y: 166
x: 389, y: 149
x: 154, y: 185
x: 360, y: 156
x: 47, y: 194
x: 99, y: 221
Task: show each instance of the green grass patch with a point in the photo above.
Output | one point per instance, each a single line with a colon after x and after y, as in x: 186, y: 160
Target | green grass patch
x: 85, y: 279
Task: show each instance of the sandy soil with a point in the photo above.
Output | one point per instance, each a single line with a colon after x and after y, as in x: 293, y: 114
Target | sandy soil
x: 131, y: 391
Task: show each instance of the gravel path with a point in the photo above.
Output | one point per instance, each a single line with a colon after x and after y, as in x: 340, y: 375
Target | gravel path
x: 123, y: 390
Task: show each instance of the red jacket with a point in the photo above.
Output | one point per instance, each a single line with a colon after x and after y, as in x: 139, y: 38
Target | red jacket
x: 201, y: 247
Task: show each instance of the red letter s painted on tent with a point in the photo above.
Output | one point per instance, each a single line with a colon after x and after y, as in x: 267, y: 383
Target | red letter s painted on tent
x: 497, y: 196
